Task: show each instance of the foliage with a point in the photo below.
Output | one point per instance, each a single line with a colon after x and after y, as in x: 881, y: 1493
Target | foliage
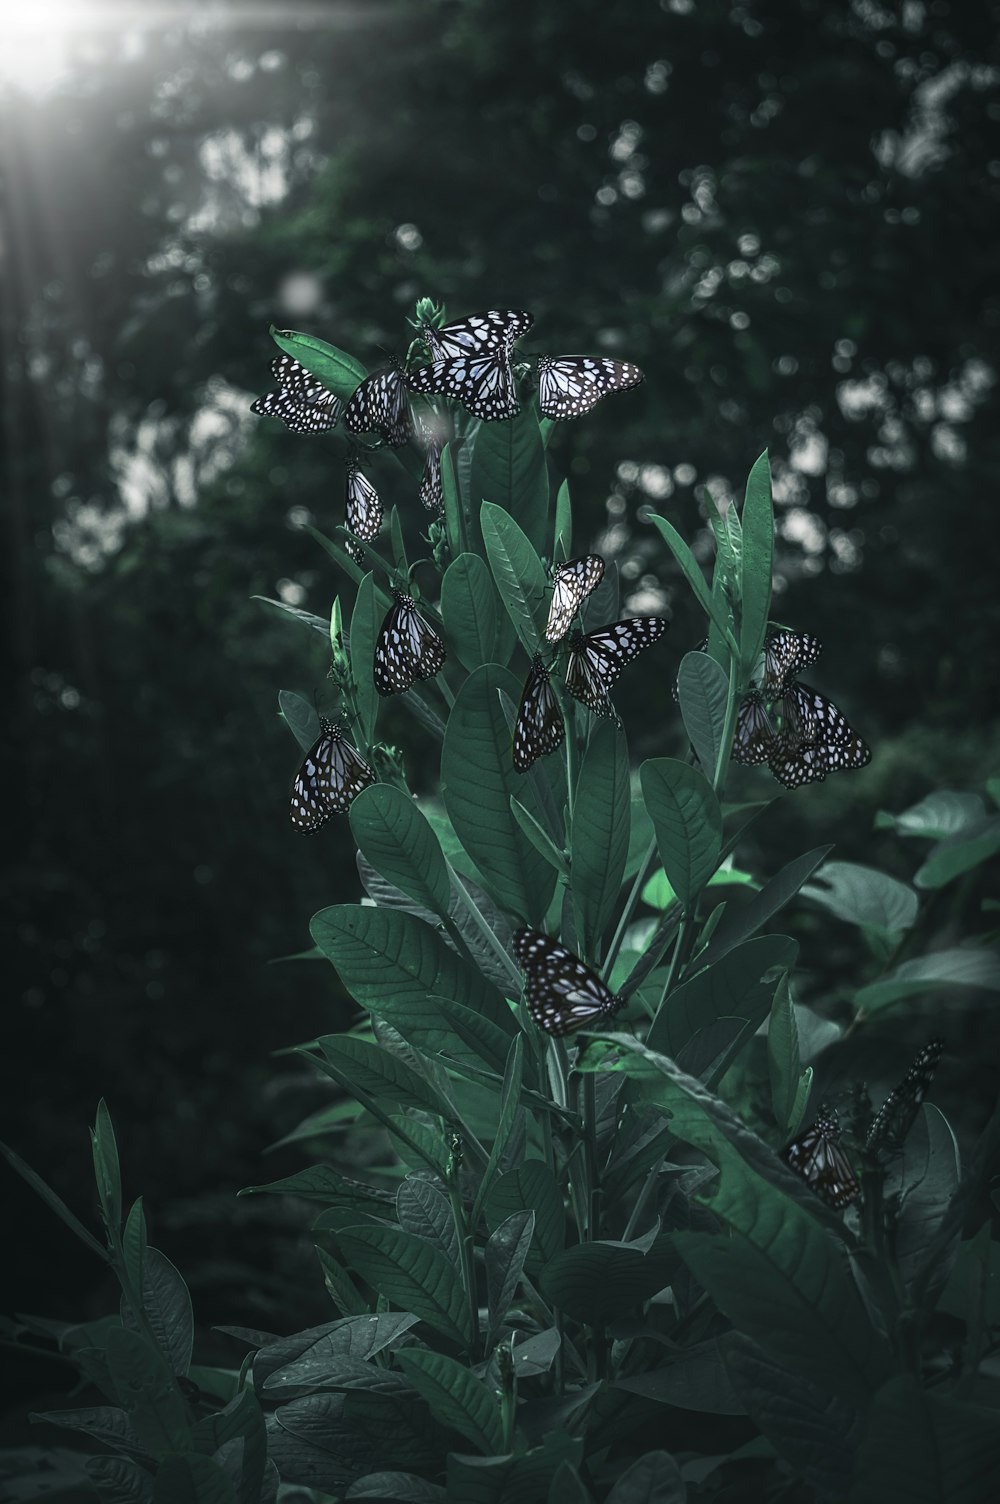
x: 564, y: 1254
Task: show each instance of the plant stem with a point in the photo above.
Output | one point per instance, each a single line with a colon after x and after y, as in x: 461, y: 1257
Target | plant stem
x: 627, y: 911
x: 465, y: 1243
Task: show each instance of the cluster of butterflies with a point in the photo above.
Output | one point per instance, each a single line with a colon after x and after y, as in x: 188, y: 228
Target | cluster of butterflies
x: 795, y: 729
x: 472, y: 361
x: 818, y: 1156
x: 593, y: 665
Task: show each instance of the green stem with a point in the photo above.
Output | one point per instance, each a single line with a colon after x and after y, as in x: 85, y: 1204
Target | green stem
x: 593, y: 1178
x: 466, y: 1250
x: 627, y: 911
x: 728, y: 725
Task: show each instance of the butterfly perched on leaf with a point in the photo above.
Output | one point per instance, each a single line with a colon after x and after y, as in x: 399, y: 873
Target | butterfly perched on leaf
x: 898, y: 1112
x: 539, y: 727
x: 572, y: 582
x: 407, y: 648
x: 814, y: 737
x: 380, y: 405
x: 478, y: 334
x: 785, y: 655
x: 302, y: 402
x: 596, y: 660
x: 364, y: 509
x: 571, y: 386
x: 562, y: 993
x: 817, y: 1156
x: 331, y: 777
x: 482, y: 382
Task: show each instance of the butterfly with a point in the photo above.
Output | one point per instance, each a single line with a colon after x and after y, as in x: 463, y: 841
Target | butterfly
x: 302, y: 402
x: 573, y: 385
x: 816, y: 1155
x: 380, y: 406
x: 572, y: 582
x: 596, y: 661
x: 785, y: 654
x: 478, y: 334
x: 814, y: 738
x: 755, y: 738
x: 431, y: 492
x: 364, y: 510
x: 539, y: 727
x: 562, y: 993
x: 407, y: 649
x: 482, y: 382
x: 331, y: 777
x: 898, y: 1112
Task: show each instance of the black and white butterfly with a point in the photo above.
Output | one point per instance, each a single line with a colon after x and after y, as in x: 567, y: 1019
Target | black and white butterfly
x: 813, y: 737
x: 785, y: 655
x: 572, y: 582
x: 431, y: 491
x: 329, y: 780
x: 596, y: 661
x: 817, y: 1156
x: 571, y: 386
x: 364, y: 509
x: 380, y: 405
x: 478, y: 334
x: 562, y: 993
x: 302, y: 402
x: 755, y: 736
x: 482, y: 382
x: 898, y: 1112
x: 539, y: 727
x: 407, y: 650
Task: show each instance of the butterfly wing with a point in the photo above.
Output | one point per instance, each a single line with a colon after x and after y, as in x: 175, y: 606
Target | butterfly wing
x: 573, y: 385
x: 572, y: 583
x: 380, y: 406
x: 364, y: 509
x: 483, y: 384
x: 597, y: 660
x: 332, y: 775
x: 302, y: 402
x: 562, y: 993
x: 816, y: 738
x: 785, y: 654
x: 539, y: 727
x: 898, y: 1112
x: 407, y: 650
x: 816, y: 1155
x: 431, y: 492
x: 479, y: 334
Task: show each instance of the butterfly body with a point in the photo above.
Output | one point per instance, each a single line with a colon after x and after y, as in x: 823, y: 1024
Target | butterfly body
x: 539, y: 727
x: 380, y: 405
x: 562, y: 993
x: 407, y: 649
x: 898, y: 1112
x: 302, y: 402
x: 572, y: 582
x: 364, y: 509
x: 816, y: 1155
x: 331, y: 777
x: 570, y: 386
x: 596, y: 660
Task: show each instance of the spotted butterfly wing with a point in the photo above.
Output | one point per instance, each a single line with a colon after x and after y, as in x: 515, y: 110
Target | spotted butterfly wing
x: 572, y: 582
x: 479, y: 334
x: 815, y: 738
x: 331, y: 777
x: 484, y: 384
x: 562, y: 993
x: 539, y: 727
x: 816, y: 1155
x: 573, y: 385
x: 754, y: 740
x: 364, y: 509
x: 380, y: 405
x: 431, y: 491
x: 786, y: 654
x: 596, y: 661
x: 898, y: 1112
x: 302, y: 402
x: 407, y: 650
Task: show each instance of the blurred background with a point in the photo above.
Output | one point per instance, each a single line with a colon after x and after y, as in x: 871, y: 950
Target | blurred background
x: 785, y: 211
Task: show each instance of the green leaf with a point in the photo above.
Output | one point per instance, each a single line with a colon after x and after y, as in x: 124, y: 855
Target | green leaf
x: 456, y: 1397
x: 423, y: 1210
x: 518, y: 572
x: 703, y: 691
x: 600, y: 1281
x: 385, y: 952
x: 398, y: 841
x: 505, y: 1255
x: 783, y: 1062
x: 311, y: 1358
x: 539, y: 837
x: 134, y: 1244
x: 304, y: 618
x: 959, y: 854
x: 510, y: 1101
x: 321, y: 1183
x: 469, y: 607
x: 863, y: 895
x: 658, y: 893
x: 119, y: 1481
x: 530, y: 1185
x: 53, y: 1202
x: 381, y: 1076
x: 105, y: 1423
x: 563, y: 523
x: 107, y: 1171
x: 654, y: 1478
x: 439, y: 1026
x: 366, y: 619
x: 192, y: 1480
x: 967, y: 966
x: 925, y: 1447
x: 147, y: 1393
x: 479, y: 778
x: 931, y: 1174
x: 166, y: 1306
x: 299, y: 716
x: 508, y: 470
x: 400, y: 1488
x: 739, y: 923
x: 525, y: 1476
x: 688, y: 824
x: 944, y: 813
x: 694, y: 1380
x: 411, y: 1274
x: 758, y: 551
x: 691, y: 570
x: 600, y: 834
x: 339, y: 372
x: 339, y: 1285
x: 732, y: 987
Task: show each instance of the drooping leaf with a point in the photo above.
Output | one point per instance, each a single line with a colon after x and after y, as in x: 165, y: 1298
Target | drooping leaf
x: 398, y: 841
x: 53, y: 1202
x: 377, y: 1073
x: 965, y: 966
x: 107, y: 1424
x: 456, y: 1397
x: 321, y: 1183
x: 703, y: 690
x: 687, y: 821
x: 863, y: 895
x: 119, y: 1480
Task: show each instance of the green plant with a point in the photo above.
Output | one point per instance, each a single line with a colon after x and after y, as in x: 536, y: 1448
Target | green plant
x: 578, y: 1271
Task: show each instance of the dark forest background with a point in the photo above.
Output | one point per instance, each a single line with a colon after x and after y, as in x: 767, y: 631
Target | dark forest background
x: 785, y: 211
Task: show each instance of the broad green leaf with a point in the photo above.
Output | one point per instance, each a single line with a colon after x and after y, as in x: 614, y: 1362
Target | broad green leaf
x: 385, y: 952
x: 926, y: 1447
x: 134, y: 1244
x: 312, y: 1357
x: 687, y: 821
x: 411, y: 1274
x: 531, y: 1184
x: 304, y: 618
x: 968, y: 966
x: 758, y: 552
x: 377, y: 1073
x: 539, y: 837
x: 563, y: 539
x: 469, y: 606
x: 456, y: 510
x: 600, y: 1281
x: 959, y: 854
x: 366, y: 619
x: 148, y: 1394
x: 732, y: 987
x: 340, y: 1286
x: 703, y: 691
x: 930, y: 1174
x: 946, y: 812
x: 192, y: 1480
x: 456, y: 1397
x: 339, y: 372
x: 517, y: 570
x: 658, y: 893
x: 470, y: 1035
x: 166, y: 1307
x: 568, y: 1487
x: 401, y: 1488
x: 321, y: 1183
x: 339, y: 555
x: 479, y: 778
x: 406, y: 1133
x: 105, y: 1423
x: 691, y: 570
x: 53, y: 1202
x: 508, y: 469
x: 505, y: 1255
x: 510, y: 1102
x: 694, y: 1380
x: 107, y: 1171
x: 299, y: 716
x: 523, y: 1476
x: 783, y: 1062
x: 654, y: 1478
x: 396, y: 838
x: 423, y: 1210
x: 741, y: 922
x: 328, y: 1441
x: 863, y: 895
x: 119, y: 1481
x: 600, y: 832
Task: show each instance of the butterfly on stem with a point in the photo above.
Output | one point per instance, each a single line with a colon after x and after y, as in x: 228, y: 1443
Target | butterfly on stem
x: 331, y: 777
x: 817, y: 1156
x: 302, y: 402
x: 596, y: 660
x: 539, y: 727
x: 477, y: 334
x: 572, y: 582
x: 380, y: 405
x: 407, y: 649
x: 364, y: 509
x: 562, y: 993
x: 898, y: 1113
